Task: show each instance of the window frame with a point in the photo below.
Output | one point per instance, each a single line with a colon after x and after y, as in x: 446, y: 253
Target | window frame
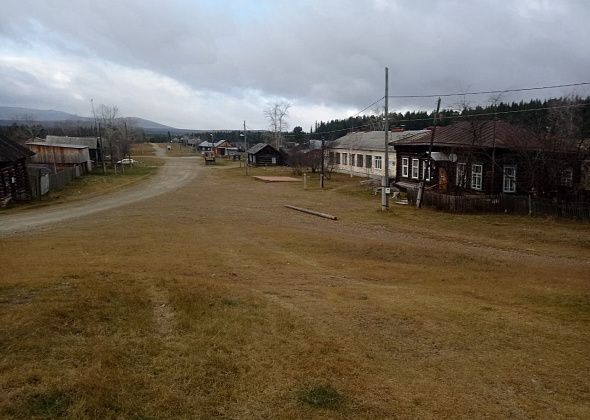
x: 368, y: 161
x: 461, y: 175
x: 425, y: 166
x: 360, y: 161
x: 509, y: 181
x: 416, y: 167
x: 477, y: 176
x: 566, y: 177
x: 406, y: 167
x: 378, y: 162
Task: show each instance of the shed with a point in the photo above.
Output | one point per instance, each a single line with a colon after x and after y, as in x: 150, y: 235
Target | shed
x: 92, y: 143
x: 61, y: 155
x: 263, y: 154
x: 14, y: 181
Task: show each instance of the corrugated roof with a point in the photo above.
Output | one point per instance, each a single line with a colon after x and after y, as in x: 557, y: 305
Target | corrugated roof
x: 371, y: 140
x: 258, y: 147
x: 11, y: 151
x: 66, y: 146
x: 209, y: 144
x: 480, y: 134
x: 90, y: 142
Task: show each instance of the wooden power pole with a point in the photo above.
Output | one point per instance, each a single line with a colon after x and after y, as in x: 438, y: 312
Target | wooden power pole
x: 421, y: 189
x: 385, y: 179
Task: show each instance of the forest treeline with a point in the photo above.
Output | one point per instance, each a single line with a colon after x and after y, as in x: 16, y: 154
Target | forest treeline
x: 536, y: 114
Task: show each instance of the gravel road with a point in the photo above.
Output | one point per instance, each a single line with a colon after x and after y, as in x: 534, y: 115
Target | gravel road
x: 175, y: 173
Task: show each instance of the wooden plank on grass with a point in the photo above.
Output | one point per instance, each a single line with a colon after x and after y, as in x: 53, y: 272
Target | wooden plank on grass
x: 315, y: 213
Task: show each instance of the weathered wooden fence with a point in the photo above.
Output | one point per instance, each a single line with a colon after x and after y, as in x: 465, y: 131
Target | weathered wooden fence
x: 59, y: 180
x: 501, y: 203
x: 41, y: 183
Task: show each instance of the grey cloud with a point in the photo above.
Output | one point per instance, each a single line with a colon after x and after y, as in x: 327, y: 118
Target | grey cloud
x: 329, y: 52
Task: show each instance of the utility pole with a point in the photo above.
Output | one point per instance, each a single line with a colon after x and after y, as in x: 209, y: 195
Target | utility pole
x: 323, y: 174
x: 246, y: 147
x: 245, y: 138
x: 385, y: 179
x: 104, y: 167
x: 421, y: 190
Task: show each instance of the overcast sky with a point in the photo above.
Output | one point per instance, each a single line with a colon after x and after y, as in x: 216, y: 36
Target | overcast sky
x: 210, y: 64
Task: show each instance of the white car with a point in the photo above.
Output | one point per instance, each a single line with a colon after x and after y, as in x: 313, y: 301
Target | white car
x: 127, y: 161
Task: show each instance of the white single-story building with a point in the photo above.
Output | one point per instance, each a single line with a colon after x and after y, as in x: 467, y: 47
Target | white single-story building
x: 363, y: 153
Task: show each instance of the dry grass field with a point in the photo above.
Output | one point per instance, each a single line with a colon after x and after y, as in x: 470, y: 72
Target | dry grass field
x: 216, y: 301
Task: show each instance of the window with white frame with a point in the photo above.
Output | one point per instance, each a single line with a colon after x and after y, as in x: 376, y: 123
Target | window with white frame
x: 352, y: 159
x: 378, y: 162
x: 476, y: 176
x: 461, y: 180
x: 369, y: 161
x: 425, y: 170
x: 345, y: 158
x: 359, y: 161
x: 509, y: 182
x: 405, y: 167
x: 567, y: 177
x: 415, y: 168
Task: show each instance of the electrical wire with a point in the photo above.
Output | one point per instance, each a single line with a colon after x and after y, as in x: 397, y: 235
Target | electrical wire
x: 484, y: 92
x: 482, y: 114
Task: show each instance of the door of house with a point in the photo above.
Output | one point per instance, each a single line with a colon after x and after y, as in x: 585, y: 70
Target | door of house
x: 443, y: 180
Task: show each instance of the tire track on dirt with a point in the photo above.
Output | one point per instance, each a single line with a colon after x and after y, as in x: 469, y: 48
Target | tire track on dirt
x: 175, y: 173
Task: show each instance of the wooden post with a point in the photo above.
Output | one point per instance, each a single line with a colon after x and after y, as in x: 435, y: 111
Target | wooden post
x: 321, y: 180
x: 304, y: 181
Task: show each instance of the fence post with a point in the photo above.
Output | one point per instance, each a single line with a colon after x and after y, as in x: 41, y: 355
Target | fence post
x: 530, y: 201
x: 304, y: 181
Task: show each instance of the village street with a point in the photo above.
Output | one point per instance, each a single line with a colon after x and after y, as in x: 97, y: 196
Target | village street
x: 175, y: 173
x: 197, y: 294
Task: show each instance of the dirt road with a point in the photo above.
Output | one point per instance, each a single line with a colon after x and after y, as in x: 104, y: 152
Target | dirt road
x: 175, y: 173
x: 213, y: 298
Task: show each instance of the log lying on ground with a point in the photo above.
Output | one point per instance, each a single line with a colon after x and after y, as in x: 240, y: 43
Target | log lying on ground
x: 315, y: 213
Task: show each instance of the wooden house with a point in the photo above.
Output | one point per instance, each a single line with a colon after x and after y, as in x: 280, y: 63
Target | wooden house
x: 363, y: 153
x: 14, y: 181
x: 263, y: 154
x: 91, y: 142
x: 487, y: 157
x: 218, y: 148
x: 62, y: 156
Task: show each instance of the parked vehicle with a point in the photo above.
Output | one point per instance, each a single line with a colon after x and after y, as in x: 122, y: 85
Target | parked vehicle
x: 127, y: 161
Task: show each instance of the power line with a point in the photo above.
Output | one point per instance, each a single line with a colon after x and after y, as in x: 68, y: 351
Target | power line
x: 483, y: 92
x: 459, y: 116
x: 369, y: 106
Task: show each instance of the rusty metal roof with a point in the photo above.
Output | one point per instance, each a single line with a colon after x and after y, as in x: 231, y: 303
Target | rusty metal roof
x: 11, y: 151
x: 486, y: 134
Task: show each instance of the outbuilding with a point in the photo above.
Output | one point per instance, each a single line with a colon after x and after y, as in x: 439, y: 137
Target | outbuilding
x: 91, y: 142
x: 62, y: 156
x: 14, y: 181
x: 263, y: 154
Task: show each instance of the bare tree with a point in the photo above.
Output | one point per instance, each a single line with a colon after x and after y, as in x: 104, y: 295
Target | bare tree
x: 118, y: 132
x: 276, y: 114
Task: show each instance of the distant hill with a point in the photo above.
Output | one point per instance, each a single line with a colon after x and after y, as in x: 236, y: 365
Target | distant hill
x: 17, y: 114
x: 10, y: 115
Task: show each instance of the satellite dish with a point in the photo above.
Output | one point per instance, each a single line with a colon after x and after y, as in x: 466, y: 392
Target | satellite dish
x: 453, y: 157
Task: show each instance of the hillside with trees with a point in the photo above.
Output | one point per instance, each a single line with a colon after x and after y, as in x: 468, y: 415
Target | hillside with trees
x: 535, y: 114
